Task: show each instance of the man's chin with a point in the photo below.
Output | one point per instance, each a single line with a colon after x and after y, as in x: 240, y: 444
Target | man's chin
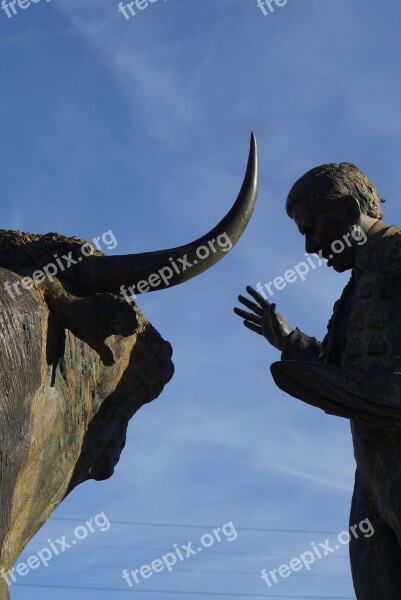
x: 339, y: 267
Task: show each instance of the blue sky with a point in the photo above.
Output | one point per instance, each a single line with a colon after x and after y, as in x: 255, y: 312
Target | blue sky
x: 142, y: 126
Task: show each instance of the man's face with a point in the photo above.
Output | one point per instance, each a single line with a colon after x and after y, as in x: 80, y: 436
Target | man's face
x: 328, y: 230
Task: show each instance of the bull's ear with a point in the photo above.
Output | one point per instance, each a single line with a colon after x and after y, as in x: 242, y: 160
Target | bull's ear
x: 353, y: 208
x: 92, y: 319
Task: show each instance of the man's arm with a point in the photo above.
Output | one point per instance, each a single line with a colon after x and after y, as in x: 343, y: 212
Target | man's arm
x: 265, y: 320
x: 299, y: 346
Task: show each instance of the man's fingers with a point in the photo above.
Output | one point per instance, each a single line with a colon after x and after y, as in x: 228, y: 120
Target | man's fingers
x: 247, y: 316
x: 258, y: 297
x: 253, y: 327
x: 255, y: 307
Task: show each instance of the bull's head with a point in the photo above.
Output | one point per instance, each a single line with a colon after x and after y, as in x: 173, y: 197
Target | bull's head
x: 65, y: 395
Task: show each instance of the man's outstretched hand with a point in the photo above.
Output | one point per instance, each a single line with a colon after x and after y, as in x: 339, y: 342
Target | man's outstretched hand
x: 264, y: 318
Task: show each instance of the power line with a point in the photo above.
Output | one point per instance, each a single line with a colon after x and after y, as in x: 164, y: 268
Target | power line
x: 188, y: 526
x: 254, y: 574
x: 211, y: 552
x: 225, y: 594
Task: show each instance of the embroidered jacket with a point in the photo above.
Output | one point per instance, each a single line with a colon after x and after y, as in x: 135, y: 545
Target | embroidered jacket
x: 364, y: 332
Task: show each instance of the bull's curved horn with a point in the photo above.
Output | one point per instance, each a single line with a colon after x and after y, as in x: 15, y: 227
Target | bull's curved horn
x: 166, y: 268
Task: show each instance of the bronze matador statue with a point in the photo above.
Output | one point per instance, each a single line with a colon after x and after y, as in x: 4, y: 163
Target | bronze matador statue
x: 356, y: 371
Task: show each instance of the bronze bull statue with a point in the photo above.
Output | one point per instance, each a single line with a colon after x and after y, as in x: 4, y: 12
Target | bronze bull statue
x: 78, y: 360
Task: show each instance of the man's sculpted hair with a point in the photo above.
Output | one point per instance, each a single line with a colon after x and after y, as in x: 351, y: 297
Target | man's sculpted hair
x: 333, y: 181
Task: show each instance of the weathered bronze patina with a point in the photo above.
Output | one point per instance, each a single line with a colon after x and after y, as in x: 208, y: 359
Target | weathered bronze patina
x: 77, y: 360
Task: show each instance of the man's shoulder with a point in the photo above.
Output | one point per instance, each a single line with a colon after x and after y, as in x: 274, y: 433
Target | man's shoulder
x: 391, y: 233
x: 384, y: 252
x: 389, y: 250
